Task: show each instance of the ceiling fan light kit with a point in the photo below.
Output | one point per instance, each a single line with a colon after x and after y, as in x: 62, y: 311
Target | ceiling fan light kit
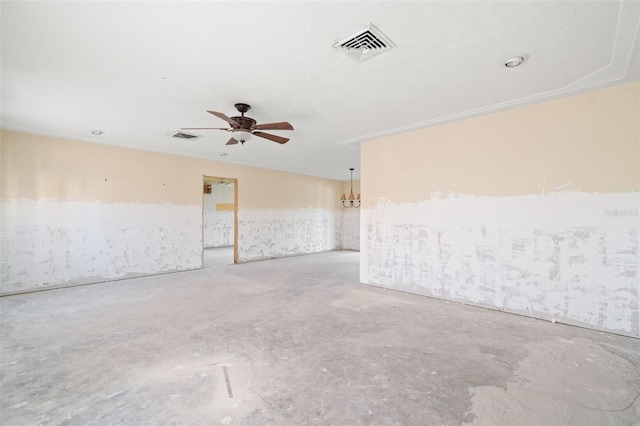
x: 241, y: 135
x: 244, y: 128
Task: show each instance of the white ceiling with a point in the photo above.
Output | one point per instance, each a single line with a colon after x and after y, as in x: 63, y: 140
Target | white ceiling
x: 142, y: 70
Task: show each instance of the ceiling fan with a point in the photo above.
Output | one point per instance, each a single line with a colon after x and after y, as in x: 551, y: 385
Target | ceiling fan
x: 242, y: 128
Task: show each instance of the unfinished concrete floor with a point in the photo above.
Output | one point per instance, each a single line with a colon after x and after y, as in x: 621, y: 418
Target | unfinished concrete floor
x: 298, y: 341
x: 218, y: 256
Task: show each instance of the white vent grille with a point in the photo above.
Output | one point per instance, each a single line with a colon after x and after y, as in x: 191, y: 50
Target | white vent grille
x: 365, y: 44
x: 185, y: 135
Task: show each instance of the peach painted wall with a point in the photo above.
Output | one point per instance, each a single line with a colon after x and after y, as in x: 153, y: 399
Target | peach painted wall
x: 533, y: 210
x: 76, y: 212
x: 36, y: 167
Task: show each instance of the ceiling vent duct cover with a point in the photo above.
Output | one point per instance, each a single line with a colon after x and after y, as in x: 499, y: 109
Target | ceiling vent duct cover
x: 365, y: 44
x: 185, y: 135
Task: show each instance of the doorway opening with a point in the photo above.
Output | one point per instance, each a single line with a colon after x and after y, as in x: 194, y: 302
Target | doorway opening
x: 219, y: 221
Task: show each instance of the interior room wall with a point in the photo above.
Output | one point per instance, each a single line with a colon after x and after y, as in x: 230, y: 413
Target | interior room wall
x: 284, y: 214
x: 351, y: 220
x: 533, y: 210
x: 75, y: 212
x: 218, y: 216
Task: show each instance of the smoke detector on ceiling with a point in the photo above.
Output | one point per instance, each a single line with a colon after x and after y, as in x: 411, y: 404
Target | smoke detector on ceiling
x: 365, y: 43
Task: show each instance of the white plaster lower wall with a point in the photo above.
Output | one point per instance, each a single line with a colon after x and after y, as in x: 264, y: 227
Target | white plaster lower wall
x: 218, y: 225
x: 50, y: 244
x: 218, y: 228
x: 351, y: 229
x: 571, y: 257
x: 264, y: 234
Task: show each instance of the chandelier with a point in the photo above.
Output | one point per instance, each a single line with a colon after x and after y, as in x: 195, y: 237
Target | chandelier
x: 351, y: 201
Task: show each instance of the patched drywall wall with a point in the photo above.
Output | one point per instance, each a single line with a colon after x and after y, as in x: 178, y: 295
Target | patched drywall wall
x: 351, y: 220
x: 533, y: 210
x: 218, y: 216
x: 569, y: 257
x: 351, y: 229
x: 52, y: 244
x: 76, y: 212
x: 266, y: 234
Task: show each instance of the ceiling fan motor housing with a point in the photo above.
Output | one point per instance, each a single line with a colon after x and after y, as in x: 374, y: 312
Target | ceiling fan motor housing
x: 246, y: 123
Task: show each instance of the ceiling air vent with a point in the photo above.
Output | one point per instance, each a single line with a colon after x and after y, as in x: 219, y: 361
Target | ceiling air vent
x: 185, y: 135
x: 365, y: 44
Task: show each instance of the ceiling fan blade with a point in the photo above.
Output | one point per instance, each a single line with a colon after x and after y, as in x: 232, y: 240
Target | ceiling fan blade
x: 225, y: 118
x: 283, y: 125
x: 232, y: 141
x: 271, y: 137
x: 204, y: 128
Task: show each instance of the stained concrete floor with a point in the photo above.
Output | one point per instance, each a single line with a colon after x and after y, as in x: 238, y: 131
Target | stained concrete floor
x: 298, y: 341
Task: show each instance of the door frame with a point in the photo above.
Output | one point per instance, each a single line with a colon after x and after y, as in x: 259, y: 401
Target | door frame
x: 208, y: 179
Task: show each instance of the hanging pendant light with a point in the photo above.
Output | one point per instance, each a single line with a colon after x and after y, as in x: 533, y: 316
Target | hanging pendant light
x: 352, y: 199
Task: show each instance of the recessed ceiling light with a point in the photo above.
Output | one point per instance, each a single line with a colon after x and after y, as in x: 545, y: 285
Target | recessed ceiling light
x: 223, y: 154
x: 515, y: 60
x: 97, y: 132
